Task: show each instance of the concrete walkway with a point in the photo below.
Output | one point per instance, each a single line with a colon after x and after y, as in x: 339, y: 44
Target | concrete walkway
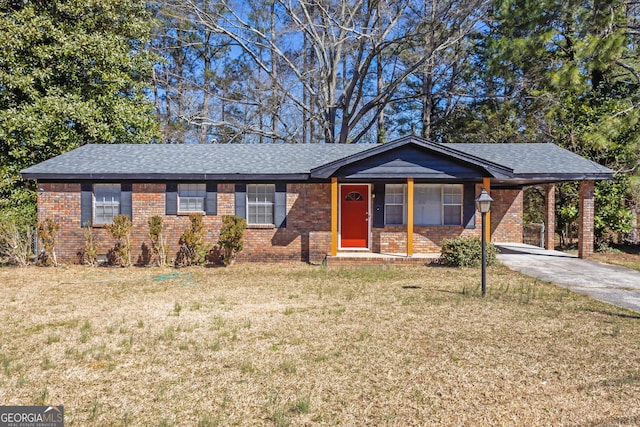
x: 609, y: 283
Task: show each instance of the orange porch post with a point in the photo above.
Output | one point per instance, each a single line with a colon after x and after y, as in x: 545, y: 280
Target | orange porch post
x: 409, y: 216
x: 334, y: 216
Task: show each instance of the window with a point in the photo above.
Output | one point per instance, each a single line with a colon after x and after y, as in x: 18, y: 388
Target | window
x: 191, y: 197
x: 437, y: 204
x: 452, y: 204
x: 394, y: 204
x: 354, y: 196
x: 260, y: 203
x: 106, y: 203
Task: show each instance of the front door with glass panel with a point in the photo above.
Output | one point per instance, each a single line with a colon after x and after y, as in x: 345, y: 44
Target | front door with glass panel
x: 354, y: 216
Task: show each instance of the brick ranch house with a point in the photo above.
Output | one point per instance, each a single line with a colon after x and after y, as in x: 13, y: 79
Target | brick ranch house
x: 309, y: 202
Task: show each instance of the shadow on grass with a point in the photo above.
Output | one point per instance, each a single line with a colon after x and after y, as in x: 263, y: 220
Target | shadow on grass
x: 614, y: 314
x: 633, y: 420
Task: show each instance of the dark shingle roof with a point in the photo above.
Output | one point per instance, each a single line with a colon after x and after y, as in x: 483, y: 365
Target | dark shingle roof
x: 509, y: 162
x: 197, y: 161
x: 528, y: 159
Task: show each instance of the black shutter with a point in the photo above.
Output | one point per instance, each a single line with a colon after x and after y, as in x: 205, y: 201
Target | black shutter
x: 378, y: 205
x: 86, y: 204
x: 280, y: 206
x: 469, y: 205
x: 241, y: 201
x: 171, y: 198
x: 211, y: 201
x: 125, y: 200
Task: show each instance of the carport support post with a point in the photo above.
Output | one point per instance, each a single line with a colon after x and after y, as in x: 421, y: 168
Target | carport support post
x: 550, y: 217
x: 586, y: 213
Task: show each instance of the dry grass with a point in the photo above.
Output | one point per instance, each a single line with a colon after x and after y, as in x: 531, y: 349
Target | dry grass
x: 299, y: 345
x: 626, y: 256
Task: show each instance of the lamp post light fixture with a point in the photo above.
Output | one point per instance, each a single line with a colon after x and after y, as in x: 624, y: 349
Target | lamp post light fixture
x: 483, y: 204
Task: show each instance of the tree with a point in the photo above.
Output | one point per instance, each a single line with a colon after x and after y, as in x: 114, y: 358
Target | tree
x: 326, y: 68
x: 562, y: 72
x: 71, y: 73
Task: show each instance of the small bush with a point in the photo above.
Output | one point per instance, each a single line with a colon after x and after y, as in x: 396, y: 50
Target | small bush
x: 47, y: 233
x: 466, y: 252
x: 15, y: 242
x: 193, y: 250
x: 231, y: 238
x: 89, y: 252
x: 121, y: 231
x: 159, y: 245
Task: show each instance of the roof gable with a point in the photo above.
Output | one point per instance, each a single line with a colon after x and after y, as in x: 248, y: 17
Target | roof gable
x: 411, y: 157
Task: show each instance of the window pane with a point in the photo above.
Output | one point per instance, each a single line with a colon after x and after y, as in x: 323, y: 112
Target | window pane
x: 452, y: 201
x: 106, y: 203
x: 260, y: 201
x: 394, y: 204
x: 191, y: 197
x: 393, y: 214
x: 452, y: 195
x: 452, y: 215
x: 427, y: 204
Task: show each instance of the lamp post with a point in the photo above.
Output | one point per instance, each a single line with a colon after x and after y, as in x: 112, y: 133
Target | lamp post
x: 483, y: 204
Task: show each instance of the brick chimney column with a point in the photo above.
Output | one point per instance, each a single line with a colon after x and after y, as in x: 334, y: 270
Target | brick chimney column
x: 550, y: 217
x: 586, y: 214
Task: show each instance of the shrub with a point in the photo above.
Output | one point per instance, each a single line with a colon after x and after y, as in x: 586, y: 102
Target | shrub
x: 193, y: 250
x: 89, y: 252
x: 15, y: 242
x: 47, y: 232
x: 231, y: 238
x: 159, y: 246
x: 120, y: 230
x: 466, y: 252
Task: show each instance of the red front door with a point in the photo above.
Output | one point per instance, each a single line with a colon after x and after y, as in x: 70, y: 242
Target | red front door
x: 354, y: 216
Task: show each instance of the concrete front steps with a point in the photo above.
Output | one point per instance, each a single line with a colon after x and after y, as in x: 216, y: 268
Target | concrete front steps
x: 361, y: 259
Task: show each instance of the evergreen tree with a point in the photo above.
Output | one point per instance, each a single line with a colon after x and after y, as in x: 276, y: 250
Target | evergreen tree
x: 72, y: 72
x: 563, y: 72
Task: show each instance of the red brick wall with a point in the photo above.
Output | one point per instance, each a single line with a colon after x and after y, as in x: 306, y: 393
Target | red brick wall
x: 585, y: 219
x: 307, y: 236
x: 61, y: 202
x: 506, y: 216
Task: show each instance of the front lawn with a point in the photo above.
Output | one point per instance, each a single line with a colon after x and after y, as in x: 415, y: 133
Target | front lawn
x: 300, y: 345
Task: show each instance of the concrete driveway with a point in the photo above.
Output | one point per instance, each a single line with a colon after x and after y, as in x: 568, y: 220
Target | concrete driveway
x: 609, y: 283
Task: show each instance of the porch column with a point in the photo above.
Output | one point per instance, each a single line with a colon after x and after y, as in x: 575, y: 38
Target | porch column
x: 586, y: 218
x: 550, y: 217
x: 486, y: 184
x: 409, y: 216
x: 334, y: 216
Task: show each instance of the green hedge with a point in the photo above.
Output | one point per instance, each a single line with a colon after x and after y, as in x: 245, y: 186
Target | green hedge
x: 466, y: 252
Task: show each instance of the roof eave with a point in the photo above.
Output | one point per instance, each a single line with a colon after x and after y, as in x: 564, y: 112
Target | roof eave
x: 565, y: 177
x: 236, y: 177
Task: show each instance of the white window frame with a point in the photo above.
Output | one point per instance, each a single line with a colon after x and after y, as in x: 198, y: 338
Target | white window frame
x: 254, y: 203
x: 106, y: 196
x: 443, y: 204
x: 192, y: 194
x: 403, y: 204
x: 458, y: 204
